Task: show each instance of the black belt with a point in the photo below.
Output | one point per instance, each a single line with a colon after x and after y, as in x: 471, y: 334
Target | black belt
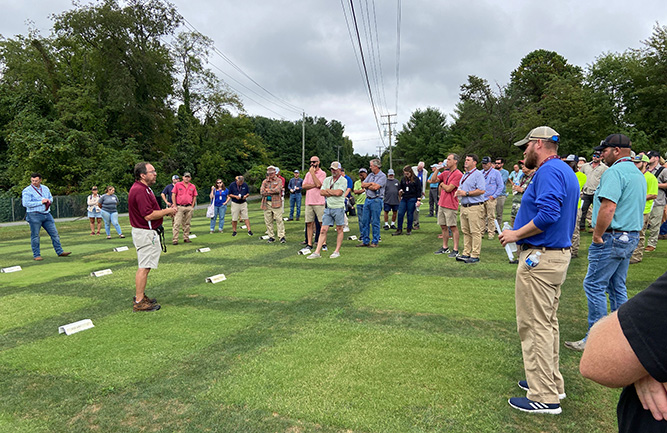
x: 185, y: 205
x: 371, y: 198
x: 620, y: 231
x: 525, y: 247
x: 471, y: 204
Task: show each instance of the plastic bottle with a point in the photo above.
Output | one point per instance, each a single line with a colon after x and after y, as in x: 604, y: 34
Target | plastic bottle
x: 533, y: 259
x: 512, y: 246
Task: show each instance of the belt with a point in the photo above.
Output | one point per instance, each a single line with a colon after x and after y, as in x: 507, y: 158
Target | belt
x: 371, y: 198
x: 185, y: 205
x: 525, y: 247
x: 471, y: 204
x: 620, y: 231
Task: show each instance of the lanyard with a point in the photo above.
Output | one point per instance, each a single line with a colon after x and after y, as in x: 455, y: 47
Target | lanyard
x: 39, y: 191
x: 547, y: 159
x: 467, y: 175
x: 625, y: 158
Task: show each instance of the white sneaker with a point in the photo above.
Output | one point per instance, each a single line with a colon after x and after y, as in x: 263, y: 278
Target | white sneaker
x: 314, y: 256
x: 334, y: 255
x: 576, y: 345
x: 346, y: 229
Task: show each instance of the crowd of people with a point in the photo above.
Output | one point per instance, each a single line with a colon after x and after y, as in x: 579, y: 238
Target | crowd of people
x: 619, y: 195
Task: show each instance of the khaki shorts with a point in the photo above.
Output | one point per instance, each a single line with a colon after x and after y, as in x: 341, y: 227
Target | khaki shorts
x: 147, y: 243
x: 239, y: 211
x: 446, y: 217
x: 314, y: 210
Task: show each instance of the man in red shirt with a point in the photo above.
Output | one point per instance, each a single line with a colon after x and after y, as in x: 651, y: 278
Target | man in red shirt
x: 448, y: 204
x: 145, y: 217
x: 184, y: 199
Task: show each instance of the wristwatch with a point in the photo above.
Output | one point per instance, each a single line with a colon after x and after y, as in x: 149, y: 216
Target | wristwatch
x: 467, y: 193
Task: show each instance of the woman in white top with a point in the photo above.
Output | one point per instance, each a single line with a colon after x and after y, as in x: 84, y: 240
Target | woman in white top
x: 94, y: 212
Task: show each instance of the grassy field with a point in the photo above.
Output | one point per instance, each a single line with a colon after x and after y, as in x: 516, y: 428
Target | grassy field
x: 394, y: 339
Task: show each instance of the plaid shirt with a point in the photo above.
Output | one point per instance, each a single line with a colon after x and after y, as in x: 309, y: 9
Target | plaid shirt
x: 273, y: 189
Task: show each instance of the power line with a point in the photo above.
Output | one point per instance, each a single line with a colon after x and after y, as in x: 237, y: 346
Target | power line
x: 363, y: 61
x: 398, y: 47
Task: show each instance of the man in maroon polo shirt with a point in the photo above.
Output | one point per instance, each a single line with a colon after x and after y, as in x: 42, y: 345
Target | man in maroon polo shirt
x: 145, y: 217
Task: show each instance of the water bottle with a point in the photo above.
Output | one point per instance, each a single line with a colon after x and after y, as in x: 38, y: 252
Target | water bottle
x: 512, y: 246
x: 534, y: 259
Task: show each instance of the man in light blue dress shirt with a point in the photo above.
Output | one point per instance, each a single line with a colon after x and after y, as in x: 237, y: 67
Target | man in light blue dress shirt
x: 37, y: 201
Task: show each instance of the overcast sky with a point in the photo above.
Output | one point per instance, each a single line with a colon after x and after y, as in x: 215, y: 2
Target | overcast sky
x: 301, y: 51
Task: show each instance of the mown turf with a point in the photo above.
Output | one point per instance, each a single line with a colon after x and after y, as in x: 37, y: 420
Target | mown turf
x: 394, y: 339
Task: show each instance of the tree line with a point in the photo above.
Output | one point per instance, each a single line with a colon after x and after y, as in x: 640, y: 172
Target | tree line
x: 115, y: 84
x: 618, y: 92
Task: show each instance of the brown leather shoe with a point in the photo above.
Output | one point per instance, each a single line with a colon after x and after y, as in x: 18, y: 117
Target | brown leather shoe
x: 372, y: 245
x: 649, y: 248
x: 64, y: 254
x: 38, y: 258
x: 187, y: 241
x: 145, y: 305
x: 361, y: 245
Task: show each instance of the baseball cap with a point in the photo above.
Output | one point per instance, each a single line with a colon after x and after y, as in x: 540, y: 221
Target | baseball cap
x: 390, y: 171
x: 540, y: 133
x: 296, y: 171
x: 486, y: 160
x: 187, y: 174
x: 270, y: 168
x: 336, y: 165
x: 363, y: 170
x: 614, y: 140
x: 581, y: 158
x: 175, y: 177
x: 653, y: 153
x: 641, y: 158
x: 570, y: 158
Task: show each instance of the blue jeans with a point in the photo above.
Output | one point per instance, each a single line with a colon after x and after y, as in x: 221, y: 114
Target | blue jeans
x: 295, y: 199
x: 360, y: 215
x: 663, y: 228
x: 37, y: 220
x: 406, y: 205
x: 607, y: 270
x: 219, y: 212
x: 371, y: 218
x: 109, y: 219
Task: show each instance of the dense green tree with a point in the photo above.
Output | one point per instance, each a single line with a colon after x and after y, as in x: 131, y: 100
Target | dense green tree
x: 423, y: 137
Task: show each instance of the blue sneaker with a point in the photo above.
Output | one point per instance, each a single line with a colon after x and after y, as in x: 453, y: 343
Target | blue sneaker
x: 523, y: 384
x: 526, y: 405
x: 472, y: 260
x: 462, y: 258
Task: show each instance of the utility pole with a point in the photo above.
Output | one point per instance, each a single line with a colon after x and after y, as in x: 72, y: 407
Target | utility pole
x: 389, y: 123
x: 303, y: 143
x: 338, y: 157
x: 380, y: 152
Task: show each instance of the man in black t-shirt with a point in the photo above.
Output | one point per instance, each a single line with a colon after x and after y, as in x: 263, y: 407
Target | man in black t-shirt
x: 629, y: 348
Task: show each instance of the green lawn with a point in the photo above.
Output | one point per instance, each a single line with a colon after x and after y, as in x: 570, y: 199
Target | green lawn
x: 395, y: 339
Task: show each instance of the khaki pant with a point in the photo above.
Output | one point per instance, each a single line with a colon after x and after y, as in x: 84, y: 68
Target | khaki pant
x: 537, y: 293
x: 472, y: 225
x: 500, y: 206
x: 490, y: 215
x: 638, y: 253
x: 182, y: 217
x: 576, y: 238
x: 654, y: 220
x: 276, y: 214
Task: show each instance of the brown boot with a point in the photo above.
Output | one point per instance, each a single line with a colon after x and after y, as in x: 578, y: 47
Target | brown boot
x: 397, y: 233
x: 145, y: 305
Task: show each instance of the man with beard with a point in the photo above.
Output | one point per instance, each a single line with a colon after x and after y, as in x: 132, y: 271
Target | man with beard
x: 618, y: 208
x: 543, y: 231
x: 145, y: 219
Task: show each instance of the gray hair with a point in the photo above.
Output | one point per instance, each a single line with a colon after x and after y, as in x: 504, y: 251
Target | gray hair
x: 376, y: 162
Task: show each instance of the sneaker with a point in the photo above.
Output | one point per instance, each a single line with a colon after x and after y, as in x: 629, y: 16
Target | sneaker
x: 282, y: 240
x: 472, y: 260
x: 270, y: 240
x: 397, y: 233
x: 324, y: 248
x: 210, y: 232
x: 38, y: 258
x: 392, y: 226
x: 462, y: 258
x: 220, y: 231
x: 309, y: 247
x: 334, y: 255
x: 576, y: 345
x: 526, y: 405
x: 358, y: 245
x: 233, y: 234
x: 454, y: 254
x: 523, y: 384
x: 386, y: 226
x: 314, y: 256
x: 144, y: 305
x: 151, y: 300
x: 514, y: 262
x: 442, y: 250
x: 408, y: 232
x: 64, y: 254
x: 249, y: 233
x: 346, y: 229
x: 174, y: 243
x: 304, y: 243
x: 649, y: 249
x: 187, y: 241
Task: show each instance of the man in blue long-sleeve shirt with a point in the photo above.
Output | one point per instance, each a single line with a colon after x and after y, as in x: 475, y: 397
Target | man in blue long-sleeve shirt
x: 494, y: 188
x: 295, y: 185
x: 37, y: 201
x: 543, y: 230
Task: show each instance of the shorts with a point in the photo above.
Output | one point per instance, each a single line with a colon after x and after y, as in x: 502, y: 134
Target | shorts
x: 97, y: 214
x: 314, y: 211
x: 147, y: 243
x: 333, y: 216
x: 390, y: 207
x: 239, y: 211
x: 446, y: 217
